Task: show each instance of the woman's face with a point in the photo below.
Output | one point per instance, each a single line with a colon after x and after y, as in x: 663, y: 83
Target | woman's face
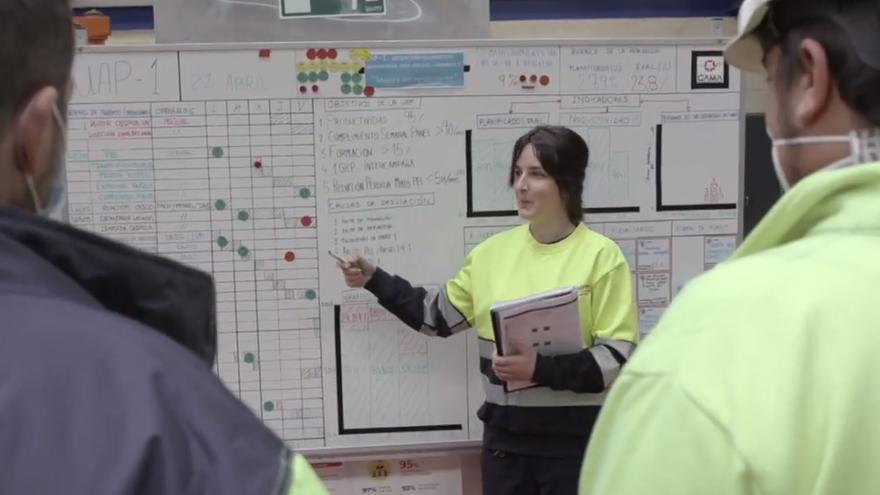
x: 537, y: 196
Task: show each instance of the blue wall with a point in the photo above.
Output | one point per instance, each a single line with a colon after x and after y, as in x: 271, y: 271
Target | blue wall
x: 505, y: 10
x: 122, y: 18
x: 502, y: 10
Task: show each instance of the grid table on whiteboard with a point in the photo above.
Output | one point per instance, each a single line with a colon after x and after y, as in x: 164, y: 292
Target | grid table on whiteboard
x: 226, y: 187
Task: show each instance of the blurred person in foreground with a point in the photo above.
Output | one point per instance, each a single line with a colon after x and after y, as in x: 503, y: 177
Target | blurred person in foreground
x: 762, y: 375
x: 105, y: 352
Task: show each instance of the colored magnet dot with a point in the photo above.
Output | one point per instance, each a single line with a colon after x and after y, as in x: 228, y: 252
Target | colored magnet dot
x: 522, y: 78
x: 222, y: 242
x: 243, y: 215
x: 306, y: 221
x: 220, y: 204
x: 315, y: 88
x: 369, y: 91
x: 545, y: 80
x: 303, y: 89
x: 311, y: 294
x: 346, y: 89
x: 313, y: 76
x: 356, y: 78
x: 258, y: 164
x: 332, y: 53
x: 305, y: 192
x: 249, y: 357
x: 346, y: 77
x: 323, y: 75
x: 289, y: 256
x: 217, y: 152
x: 322, y: 53
x: 310, y: 54
x: 533, y: 78
x: 268, y: 406
x: 243, y: 251
x: 358, y: 89
x: 302, y: 77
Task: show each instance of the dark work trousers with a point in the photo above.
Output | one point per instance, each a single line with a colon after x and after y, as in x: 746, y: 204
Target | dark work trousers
x: 514, y: 474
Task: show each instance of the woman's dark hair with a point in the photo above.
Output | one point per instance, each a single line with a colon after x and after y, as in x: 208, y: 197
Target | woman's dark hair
x: 848, y: 30
x: 564, y: 155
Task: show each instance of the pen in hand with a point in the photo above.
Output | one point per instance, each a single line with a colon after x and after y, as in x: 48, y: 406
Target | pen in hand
x: 342, y: 262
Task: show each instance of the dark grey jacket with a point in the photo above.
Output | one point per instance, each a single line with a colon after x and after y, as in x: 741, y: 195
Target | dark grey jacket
x: 105, y: 374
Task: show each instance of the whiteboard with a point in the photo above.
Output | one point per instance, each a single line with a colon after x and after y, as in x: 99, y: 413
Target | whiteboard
x: 251, y: 162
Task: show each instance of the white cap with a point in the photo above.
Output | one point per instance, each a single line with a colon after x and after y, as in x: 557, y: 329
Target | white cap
x: 745, y: 51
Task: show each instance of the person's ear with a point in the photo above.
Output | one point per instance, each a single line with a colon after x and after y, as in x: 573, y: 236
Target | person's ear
x: 813, y: 84
x: 34, y: 130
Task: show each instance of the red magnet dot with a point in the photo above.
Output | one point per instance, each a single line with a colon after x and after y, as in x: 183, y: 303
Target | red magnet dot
x: 522, y: 78
x: 332, y: 53
x: 369, y: 91
x: 545, y: 80
x: 310, y: 54
x: 306, y: 221
x: 314, y: 88
x: 303, y: 89
x: 533, y: 78
x: 258, y: 164
x: 289, y: 256
x: 322, y: 53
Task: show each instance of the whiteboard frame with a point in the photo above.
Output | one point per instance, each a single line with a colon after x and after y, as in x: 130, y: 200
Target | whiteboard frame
x: 457, y: 446
x: 406, y: 449
x: 743, y: 114
x: 403, y: 44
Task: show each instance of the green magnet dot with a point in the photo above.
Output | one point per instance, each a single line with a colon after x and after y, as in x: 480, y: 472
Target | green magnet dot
x: 323, y: 75
x: 217, y: 152
x: 243, y: 215
x: 220, y: 204
x: 311, y: 294
x: 346, y: 89
x: 313, y: 76
x: 346, y: 77
x: 249, y: 357
x: 358, y: 89
x: 302, y: 77
x: 243, y: 251
x: 222, y: 242
x: 356, y: 78
x: 268, y: 406
x: 305, y: 192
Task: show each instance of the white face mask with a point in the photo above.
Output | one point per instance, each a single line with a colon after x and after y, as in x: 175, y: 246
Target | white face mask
x: 58, y: 187
x: 864, y: 146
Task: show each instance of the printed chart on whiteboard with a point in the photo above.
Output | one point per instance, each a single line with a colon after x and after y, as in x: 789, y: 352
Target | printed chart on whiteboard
x: 329, y: 8
x: 252, y: 164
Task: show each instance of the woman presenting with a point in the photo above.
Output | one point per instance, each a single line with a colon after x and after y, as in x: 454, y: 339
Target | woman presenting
x: 534, y: 439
